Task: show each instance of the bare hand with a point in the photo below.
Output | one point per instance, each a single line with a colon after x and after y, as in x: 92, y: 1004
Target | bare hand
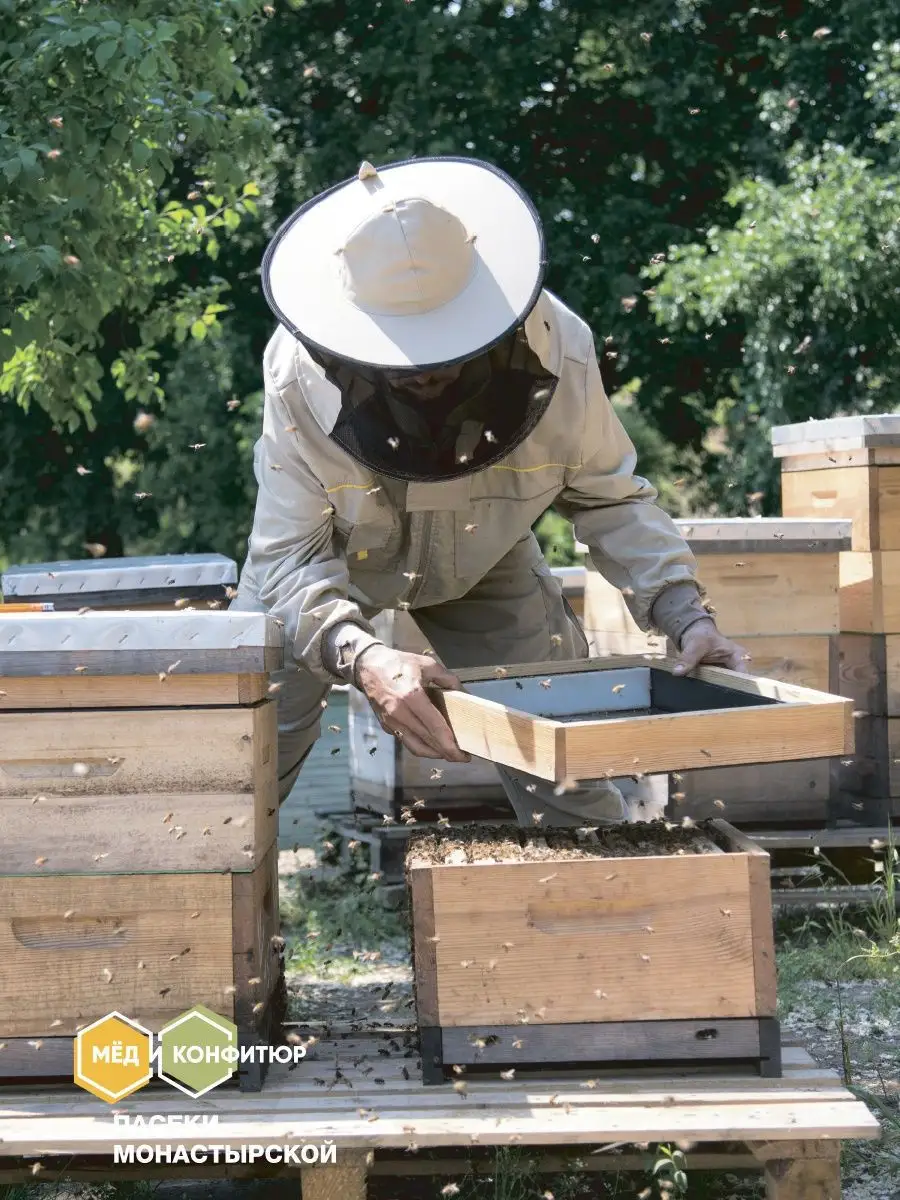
x: 702, y: 643
x: 395, y: 683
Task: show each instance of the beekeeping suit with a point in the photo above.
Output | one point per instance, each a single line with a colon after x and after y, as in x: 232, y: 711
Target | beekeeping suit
x: 426, y: 400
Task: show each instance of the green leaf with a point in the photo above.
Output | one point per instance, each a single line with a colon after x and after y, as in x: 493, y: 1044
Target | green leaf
x: 165, y: 31
x: 198, y: 331
x: 231, y: 218
x: 111, y: 26
x: 28, y: 156
x: 12, y: 168
x: 250, y: 189
x: 203, y: 97
x: 105, y: 52
x: 134, y: 45
x: 140, y: 154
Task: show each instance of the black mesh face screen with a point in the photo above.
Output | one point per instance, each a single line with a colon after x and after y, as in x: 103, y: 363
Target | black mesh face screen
x: 478, y: 420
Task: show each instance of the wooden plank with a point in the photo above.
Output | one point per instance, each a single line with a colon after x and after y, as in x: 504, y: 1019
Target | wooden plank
x: 503, y: 735
x: 764, y: 535
x: 425, y: 974
x: 840, y: 492
x: 813, y: 1177
x: 819, y: 460
x: 807, y: 839
x: 344, y: 1182
x: 30, y: 693
x: 256, y: 934
x: 796, y: 791
x: 132, y: 643
x: 592, y: 940
x: 456, y: 1124
x: 772, y: 593
x: 870, y: 497
x: 122, y: 752
x: 152, y: 832
x: 76, y: 947
x: 685, y: 741
x: 595, y: 1042
x: 870, y: 591
x: 763, y: 935
x: 863, y: 673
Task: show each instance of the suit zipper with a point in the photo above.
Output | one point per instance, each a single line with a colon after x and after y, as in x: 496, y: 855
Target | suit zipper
x: 418, y: 583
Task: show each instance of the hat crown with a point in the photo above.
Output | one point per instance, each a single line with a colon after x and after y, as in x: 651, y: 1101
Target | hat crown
x: 409, y: 256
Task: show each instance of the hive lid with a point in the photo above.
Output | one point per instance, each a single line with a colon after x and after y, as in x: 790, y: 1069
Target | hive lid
x: 145, y: 579
x: 762, y: 535
x: 836, y: 433
x: 130, y: 643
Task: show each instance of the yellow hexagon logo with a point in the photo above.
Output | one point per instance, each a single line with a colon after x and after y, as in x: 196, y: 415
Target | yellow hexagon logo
x: 113, y: 1057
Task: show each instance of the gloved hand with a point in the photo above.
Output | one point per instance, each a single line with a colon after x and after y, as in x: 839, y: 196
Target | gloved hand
x: 395, y: 684
x: 702, y: 643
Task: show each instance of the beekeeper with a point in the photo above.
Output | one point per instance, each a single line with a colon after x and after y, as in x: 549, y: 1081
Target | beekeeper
x: 426, y: 400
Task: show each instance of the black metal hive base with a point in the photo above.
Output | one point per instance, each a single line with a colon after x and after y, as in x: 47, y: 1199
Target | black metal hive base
x: 753, y: 1042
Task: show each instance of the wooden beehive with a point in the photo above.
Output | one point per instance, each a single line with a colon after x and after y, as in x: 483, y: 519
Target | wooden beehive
x: 773, y: 584
x: 554, y: 949
x: 138, y: 820
x: 849, y: 467
x: 157, y: 582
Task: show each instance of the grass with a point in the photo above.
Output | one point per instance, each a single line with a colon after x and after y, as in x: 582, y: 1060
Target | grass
x: 334, y: 924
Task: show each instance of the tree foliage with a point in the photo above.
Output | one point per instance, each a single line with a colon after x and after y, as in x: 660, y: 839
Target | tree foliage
x: 126, y: 139
x: 651, y: 136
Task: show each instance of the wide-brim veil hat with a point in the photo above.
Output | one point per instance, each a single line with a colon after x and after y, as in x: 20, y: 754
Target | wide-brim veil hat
x: 414, y: 265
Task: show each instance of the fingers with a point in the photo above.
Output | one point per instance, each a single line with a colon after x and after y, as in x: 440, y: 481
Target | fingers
x: 437, y: 676
x: 687, y: 662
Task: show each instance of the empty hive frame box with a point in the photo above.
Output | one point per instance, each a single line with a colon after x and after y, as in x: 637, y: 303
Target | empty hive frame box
x: 138, y: 820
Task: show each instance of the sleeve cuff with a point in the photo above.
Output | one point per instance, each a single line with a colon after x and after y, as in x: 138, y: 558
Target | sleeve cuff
x: 342, y: 645
x: 676, y: 608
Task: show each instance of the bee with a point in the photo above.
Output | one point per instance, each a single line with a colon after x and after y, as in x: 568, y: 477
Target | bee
x: 507, y: 1075
x: 386, y: 820
x: 507, y: 946
x: 471, y: 528
x: 547, y: 878
x: 95, y: 549
x: 327, y: 512
x: 501, y: 672
x: 461, y: 1087
x: 291, y: 428
x: 335, y: 751
x: 373, y: 491
x: 436, y: 773
x: 467, y: 962
x: 719, y: 803
x: 69, y: 914
x: 195, y: 446
x: 83, y: 470
x: 693, y: 111
x: 452, y: 1189
x: 617, y: 688
x: 726, y: 912
x: 646, y: 37
x: 39, y: 862
x: 488, y: 436
x: 394, y: 443
x: 546, y: 683
x: 537, y: 818
x: 822, y: 32
x: 556, y: 639
x: 142, y: 495
x: 410, y: 575
x: 628, y: 303
x: 107, y: 974
x: 443, y: 821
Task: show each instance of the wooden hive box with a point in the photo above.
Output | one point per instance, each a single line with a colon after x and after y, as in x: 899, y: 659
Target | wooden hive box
x: 138, y: 820
x: 639, y: 944
x: 849, y: 467
x: 773, y: 584
x: 161, y: 581
x: 386, y: 778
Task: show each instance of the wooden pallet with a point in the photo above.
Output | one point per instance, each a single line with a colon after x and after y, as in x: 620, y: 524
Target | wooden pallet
x: 363, y: 1090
